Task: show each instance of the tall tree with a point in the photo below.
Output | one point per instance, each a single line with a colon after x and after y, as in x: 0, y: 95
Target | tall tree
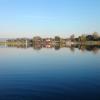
x: 72, y: 37
x: 83, y: 38
x: 95, y: 35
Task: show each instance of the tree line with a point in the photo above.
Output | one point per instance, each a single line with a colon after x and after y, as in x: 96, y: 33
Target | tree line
x: 93, y: 37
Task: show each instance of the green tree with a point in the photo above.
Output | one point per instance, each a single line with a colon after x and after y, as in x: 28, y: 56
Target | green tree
x: 83, y: 38
x: 57, y: 38
x: 95, y: 35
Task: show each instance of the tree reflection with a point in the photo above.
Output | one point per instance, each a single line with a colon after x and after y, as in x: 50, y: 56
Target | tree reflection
x: 38, y: 46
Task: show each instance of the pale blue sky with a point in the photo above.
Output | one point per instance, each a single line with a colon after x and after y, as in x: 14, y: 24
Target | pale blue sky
x: 26, y: 18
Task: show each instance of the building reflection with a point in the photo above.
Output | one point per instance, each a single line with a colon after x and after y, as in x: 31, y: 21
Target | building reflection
x: 48, y: 43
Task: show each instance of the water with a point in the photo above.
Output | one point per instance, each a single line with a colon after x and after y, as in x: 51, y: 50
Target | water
x: 49, y: 74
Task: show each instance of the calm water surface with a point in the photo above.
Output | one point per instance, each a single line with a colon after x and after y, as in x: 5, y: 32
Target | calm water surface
x: 49, y: 74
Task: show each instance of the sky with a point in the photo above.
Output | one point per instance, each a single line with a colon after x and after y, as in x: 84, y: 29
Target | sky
x: 27, y: 18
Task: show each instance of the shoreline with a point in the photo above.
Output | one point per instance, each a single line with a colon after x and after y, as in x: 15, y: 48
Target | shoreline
x: 67, y: 42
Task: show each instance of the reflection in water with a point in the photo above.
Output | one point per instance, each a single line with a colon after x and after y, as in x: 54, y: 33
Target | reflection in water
x: 56, y: 46
x: 55, y: 74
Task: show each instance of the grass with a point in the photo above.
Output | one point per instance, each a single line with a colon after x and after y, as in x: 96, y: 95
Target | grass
x: 11, y: 43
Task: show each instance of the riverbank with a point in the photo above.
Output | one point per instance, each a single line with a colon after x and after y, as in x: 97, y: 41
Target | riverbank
x: 72, y: 43
x: 88, y: 43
